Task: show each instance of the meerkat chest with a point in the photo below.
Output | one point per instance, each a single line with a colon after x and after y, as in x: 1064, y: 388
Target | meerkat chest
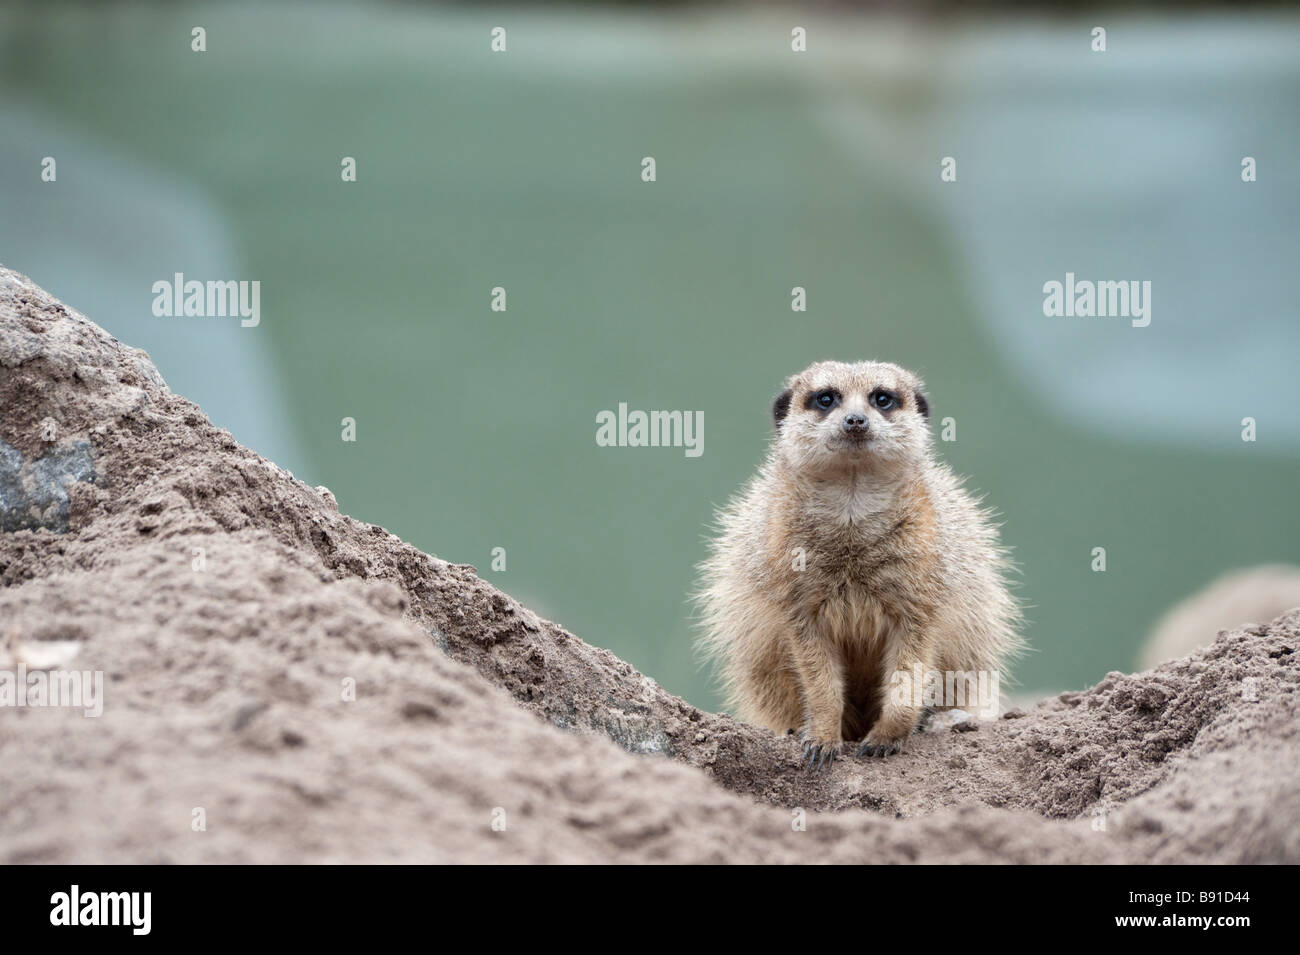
x: 851, y: 549
x: 865, y: 575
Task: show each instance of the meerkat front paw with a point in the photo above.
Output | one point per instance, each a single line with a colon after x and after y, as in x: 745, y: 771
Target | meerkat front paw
x: 891, y: 731
x: 885, y: 741
x: 820, y: 753
x: 875, y: 745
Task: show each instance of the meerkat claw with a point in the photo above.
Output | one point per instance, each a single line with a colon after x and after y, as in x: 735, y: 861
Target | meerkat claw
x: 880, y: 749
x: 819, y: 755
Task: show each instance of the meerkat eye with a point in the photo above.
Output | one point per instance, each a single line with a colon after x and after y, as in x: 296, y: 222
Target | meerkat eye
x: 825, y: 399
x: 883, y: 400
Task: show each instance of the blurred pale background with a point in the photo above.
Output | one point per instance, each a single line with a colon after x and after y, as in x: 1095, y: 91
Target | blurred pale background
x: 476, y: 429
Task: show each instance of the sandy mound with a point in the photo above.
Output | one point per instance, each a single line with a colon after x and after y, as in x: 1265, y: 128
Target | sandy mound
x: 230, y: 606
x: 1251, y: 594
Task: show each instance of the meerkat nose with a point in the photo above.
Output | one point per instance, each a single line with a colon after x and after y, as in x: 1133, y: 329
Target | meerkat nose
x: 854, y: 423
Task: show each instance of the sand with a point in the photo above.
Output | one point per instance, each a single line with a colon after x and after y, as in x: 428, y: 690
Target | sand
x: 283, y: 683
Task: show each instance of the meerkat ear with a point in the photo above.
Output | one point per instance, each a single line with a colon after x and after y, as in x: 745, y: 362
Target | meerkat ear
x: 781, y: 407
x: 923, y: 405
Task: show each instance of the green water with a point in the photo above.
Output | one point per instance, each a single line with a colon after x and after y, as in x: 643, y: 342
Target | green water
x: 476, y: 429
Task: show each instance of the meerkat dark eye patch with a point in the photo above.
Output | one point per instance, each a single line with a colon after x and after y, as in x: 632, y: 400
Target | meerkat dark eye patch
x: 781, y: 407
x: 823, y: 399
x: 923, y: 405
x: 883, y: 400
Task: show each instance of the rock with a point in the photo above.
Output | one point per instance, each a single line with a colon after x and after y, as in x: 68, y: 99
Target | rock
x: 34, y: 492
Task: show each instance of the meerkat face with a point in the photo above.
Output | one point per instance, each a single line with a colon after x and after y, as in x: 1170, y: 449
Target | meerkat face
x: 867, y: 415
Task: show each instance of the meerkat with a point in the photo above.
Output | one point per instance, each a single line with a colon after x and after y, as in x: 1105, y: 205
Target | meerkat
x: 852, y: 556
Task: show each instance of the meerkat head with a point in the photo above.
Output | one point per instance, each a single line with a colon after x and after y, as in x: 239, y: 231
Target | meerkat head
x: 863, y: 416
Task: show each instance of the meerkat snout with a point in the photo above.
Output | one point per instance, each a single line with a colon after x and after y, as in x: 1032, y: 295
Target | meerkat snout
x: 854, y: 557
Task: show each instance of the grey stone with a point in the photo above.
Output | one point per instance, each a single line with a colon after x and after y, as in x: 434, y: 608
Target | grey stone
x: 34, y: 493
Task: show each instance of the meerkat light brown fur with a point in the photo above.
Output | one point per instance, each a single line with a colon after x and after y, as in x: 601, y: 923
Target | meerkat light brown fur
x: 853, y: 555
